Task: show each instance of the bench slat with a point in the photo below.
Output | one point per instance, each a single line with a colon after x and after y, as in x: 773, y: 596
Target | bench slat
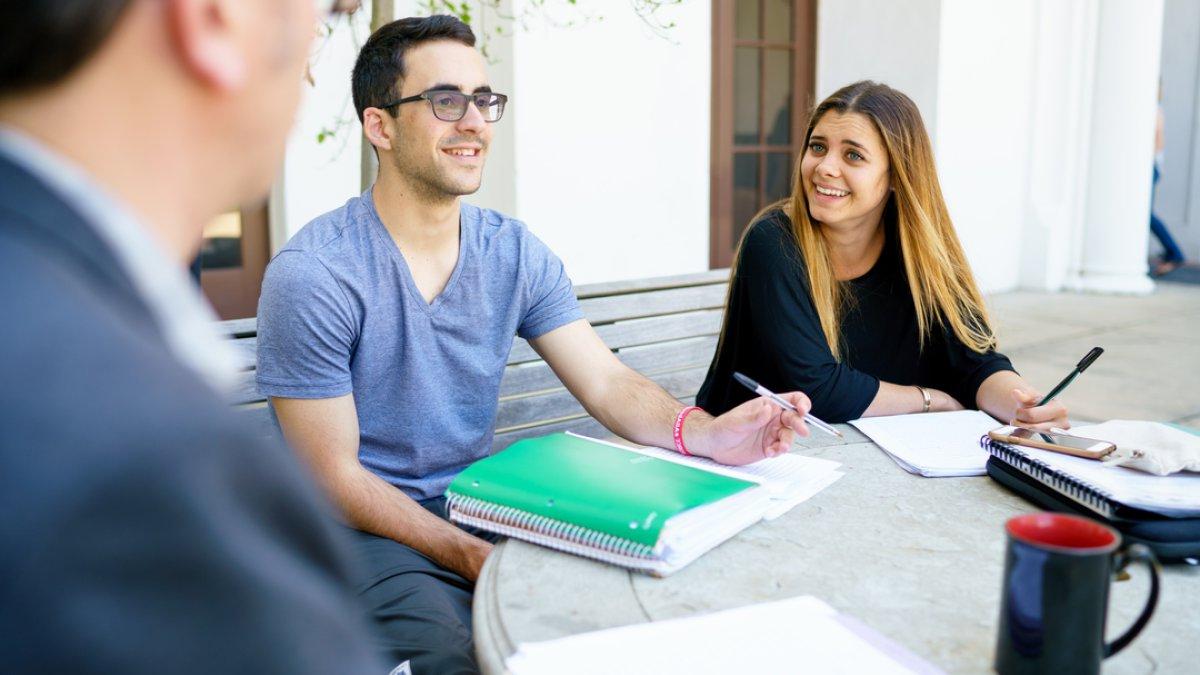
x: 639, y: 331
x: 611, y: 308
x: 249, y: 327
x: 239, y: 327
x: 535, y: 377
x: 560, y: 404
x: 651, y: 284
x: 245, y: 349
x: 531, y: 378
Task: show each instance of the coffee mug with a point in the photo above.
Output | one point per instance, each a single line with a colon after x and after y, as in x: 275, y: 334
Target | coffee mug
x: 1057, y: 570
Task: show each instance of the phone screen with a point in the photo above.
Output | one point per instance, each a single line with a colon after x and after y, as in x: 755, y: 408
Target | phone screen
x: 1056, y: 439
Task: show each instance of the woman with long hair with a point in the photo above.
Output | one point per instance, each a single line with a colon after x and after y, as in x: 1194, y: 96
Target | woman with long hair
x: 855, y: 289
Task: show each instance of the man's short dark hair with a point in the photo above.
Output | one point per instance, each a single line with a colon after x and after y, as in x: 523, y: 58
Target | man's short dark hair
x: 42, y: 42
x: 380, y: 64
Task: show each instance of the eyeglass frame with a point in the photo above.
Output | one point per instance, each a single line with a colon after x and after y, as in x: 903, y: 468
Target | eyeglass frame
x: 425, y: 95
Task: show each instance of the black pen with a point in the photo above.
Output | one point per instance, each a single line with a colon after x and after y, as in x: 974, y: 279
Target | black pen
x: 1083, y: 364
x: 782, y: 403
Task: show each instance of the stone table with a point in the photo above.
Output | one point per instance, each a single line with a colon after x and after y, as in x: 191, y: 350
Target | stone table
x: 918, y: 559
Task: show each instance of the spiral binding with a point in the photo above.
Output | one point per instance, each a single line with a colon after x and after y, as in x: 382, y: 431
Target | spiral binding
x: 515, y: 522
x: 1085, y: 493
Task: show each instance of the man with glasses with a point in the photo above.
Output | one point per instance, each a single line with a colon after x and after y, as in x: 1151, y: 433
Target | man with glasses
x: 384, y: 329
x: 146, y: 527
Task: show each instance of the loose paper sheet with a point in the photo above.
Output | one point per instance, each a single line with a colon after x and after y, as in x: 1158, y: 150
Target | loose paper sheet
x: 798, y: 635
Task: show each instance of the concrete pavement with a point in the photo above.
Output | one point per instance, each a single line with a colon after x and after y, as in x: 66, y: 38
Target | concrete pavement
x: 1150, y: 369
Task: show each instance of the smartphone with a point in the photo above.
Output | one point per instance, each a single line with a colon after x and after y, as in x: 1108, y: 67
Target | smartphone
x: 1069, y: 445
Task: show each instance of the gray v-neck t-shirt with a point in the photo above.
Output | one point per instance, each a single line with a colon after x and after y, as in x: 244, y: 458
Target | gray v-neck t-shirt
x: 340, y: 313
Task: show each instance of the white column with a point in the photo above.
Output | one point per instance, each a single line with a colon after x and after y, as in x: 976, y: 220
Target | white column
x: 1059, y: 143
x: 1121, y: 154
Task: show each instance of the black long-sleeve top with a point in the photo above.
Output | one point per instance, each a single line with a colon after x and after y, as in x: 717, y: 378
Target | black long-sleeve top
x: 773, y: 334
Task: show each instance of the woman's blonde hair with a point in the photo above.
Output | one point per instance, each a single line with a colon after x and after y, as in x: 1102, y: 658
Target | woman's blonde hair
x: 943, y: 289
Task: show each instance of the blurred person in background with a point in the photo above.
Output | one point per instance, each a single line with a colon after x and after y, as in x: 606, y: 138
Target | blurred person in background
x: 1172, y: 256
x: 146, y: 529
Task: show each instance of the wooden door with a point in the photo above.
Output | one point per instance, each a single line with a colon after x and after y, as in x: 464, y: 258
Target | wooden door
x: 764, y: 54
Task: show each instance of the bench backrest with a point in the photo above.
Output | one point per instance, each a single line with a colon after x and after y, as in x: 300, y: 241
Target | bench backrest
x: 665, y: 328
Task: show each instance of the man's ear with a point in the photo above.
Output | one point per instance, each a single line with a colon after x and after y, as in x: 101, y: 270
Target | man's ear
x: 379, y: 128
x: 206, y: 38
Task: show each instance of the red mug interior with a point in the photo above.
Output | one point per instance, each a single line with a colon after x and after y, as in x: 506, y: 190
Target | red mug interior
x: 1061, y: 531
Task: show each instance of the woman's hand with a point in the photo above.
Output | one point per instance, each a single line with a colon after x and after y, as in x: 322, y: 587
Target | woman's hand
x: 1029, y: 414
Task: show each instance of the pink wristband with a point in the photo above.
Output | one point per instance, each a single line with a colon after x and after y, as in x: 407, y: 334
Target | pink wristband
x: 679, y: 446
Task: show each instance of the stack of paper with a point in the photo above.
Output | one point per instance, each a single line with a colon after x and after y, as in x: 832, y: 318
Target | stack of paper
x: 796, y: 635
x: 934, y: 445
x: 790, y: 479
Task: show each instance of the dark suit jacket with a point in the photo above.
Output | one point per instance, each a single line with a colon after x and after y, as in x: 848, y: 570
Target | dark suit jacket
x: 143, y: 528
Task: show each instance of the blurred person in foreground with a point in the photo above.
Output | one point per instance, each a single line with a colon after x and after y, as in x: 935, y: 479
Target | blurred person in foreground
x: 145, y: 528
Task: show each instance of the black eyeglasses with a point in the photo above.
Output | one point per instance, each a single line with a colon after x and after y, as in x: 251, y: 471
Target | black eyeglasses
x: 451, y: 106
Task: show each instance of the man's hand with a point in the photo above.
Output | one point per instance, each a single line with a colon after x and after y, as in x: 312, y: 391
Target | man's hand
x: 754, y: 430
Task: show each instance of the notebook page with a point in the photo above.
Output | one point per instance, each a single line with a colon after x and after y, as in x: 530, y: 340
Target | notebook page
x: 800, y: 634
x: 933, y: 444
x: 1176, y: 495
x: 785, y: 476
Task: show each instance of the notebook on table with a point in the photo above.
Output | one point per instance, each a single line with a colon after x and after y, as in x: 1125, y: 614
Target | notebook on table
x: 1162, y: 512
x: 790, y: 479
x: 934, y: 445
x: 606, y: 502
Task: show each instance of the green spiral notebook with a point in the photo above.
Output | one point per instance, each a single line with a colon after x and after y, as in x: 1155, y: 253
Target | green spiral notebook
x: 605, y: 502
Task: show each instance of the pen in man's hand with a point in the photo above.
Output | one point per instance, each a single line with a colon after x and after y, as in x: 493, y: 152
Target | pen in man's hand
x: 782, y: 402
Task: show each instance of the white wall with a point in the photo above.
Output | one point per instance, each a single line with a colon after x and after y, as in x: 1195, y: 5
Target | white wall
x: 893, y: 42
x: 983, y: 130
x: 319, y: 177
x: 1124, y: 104
x: 612, y: 127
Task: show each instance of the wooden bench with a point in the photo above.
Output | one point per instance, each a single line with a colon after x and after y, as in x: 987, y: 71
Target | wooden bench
x: 665, y: 328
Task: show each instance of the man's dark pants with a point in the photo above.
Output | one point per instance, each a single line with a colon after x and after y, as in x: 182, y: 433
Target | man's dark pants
x: 421, y: 611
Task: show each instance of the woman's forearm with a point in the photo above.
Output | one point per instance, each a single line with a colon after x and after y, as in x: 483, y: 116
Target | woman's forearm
x: 895, y: 399
x: 995, y: 395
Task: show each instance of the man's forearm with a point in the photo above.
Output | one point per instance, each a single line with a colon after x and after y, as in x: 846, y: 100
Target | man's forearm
x: 371, y: 504
x: 636, y: 408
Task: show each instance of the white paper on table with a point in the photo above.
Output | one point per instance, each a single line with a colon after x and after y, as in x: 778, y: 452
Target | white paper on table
x: 809, y: 489
x: 934, y: 445
x: 801, y: 634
